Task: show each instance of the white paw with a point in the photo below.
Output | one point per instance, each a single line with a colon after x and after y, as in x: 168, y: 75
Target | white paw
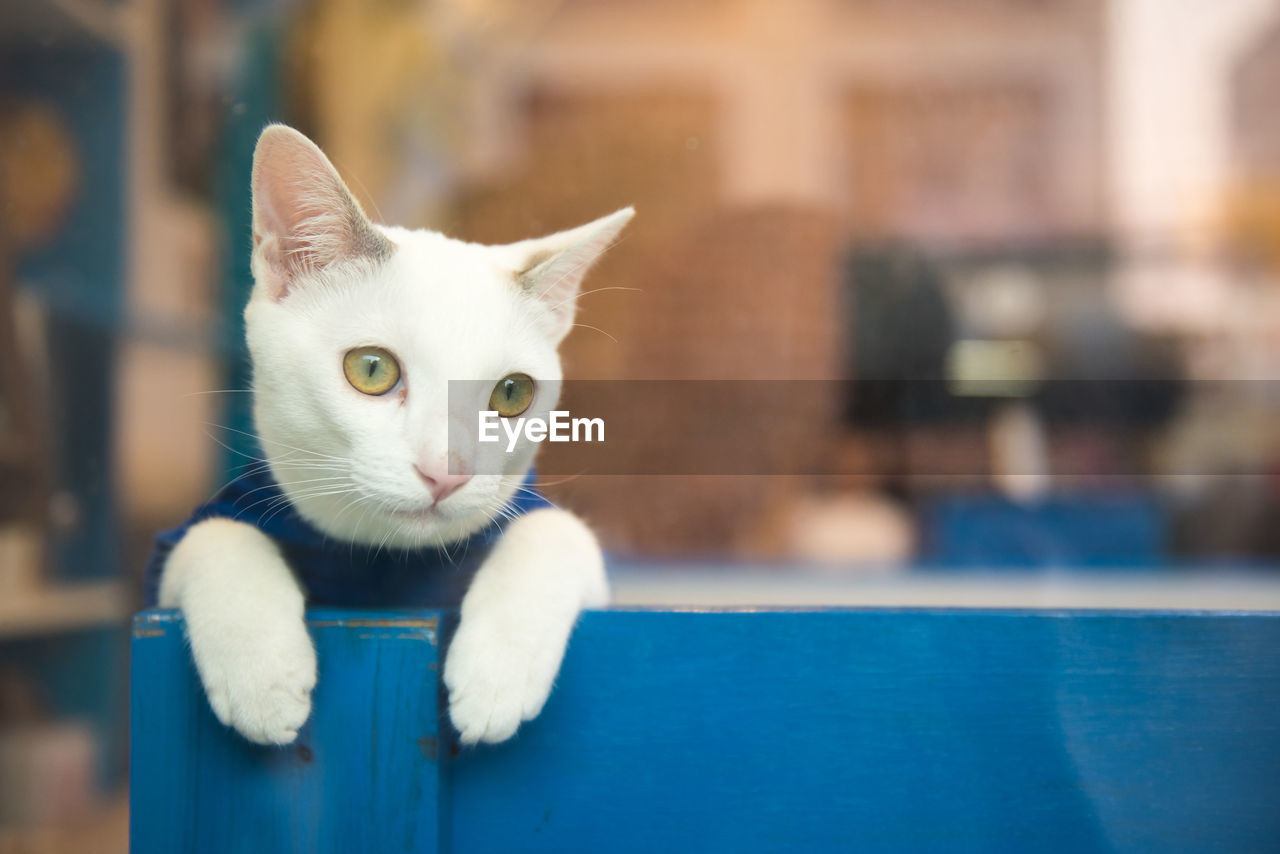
x: 258, y: 677
x: 498, y: 677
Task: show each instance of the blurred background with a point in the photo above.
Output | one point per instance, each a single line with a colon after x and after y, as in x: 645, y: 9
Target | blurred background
x: 976, y: 212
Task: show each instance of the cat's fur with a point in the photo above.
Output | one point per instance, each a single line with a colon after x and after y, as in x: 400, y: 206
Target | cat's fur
x: 327, y: 280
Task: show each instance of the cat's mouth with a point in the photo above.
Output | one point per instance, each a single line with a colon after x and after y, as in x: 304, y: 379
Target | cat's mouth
x: 430, y: 513
x: 435, y: 520
x: 440, y: 511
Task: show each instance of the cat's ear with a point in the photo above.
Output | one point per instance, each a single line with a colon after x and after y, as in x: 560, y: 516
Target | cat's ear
x: 552, y: 268
x: 304, y: 217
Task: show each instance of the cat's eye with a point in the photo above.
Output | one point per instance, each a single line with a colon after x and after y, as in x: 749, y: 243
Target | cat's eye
x: 371, y: 370
x: 512, y: 395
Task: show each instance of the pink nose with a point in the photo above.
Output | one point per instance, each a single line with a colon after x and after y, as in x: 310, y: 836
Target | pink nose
x: 441, y: 483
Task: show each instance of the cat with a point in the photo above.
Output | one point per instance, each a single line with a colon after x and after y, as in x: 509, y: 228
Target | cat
x: 355, y: 330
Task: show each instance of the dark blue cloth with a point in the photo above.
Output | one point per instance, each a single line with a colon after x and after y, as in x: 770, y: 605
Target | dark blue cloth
x: 339, y: 573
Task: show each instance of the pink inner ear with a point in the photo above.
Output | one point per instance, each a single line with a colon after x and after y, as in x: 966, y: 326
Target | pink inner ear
x: 304, y: 217
x: 555, y: 266
x: 267, y: 207
x: 293, y: 182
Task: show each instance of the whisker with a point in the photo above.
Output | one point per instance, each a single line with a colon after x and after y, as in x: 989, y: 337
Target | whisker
x: 247, y: 456
x: 580, y: 266
x: 256, y: 467
x: 285, y: 498
x: 317, y: 454
x: 579, y: 296
x: 533, y: 490
x: 597, y: 329
x: 327, y: 479
x: 288, y: 501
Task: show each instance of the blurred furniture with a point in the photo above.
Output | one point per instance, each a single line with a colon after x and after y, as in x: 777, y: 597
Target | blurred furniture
x: 24, y: 476
x: 1113, y: 530
x: 70, y: 77
x: 38, y: 176
x: 76, y: 272
x: 106, y: 833
x: 944, y: 337
x: 900, y: 327
x: 744, y: 731
x: 747, y: 298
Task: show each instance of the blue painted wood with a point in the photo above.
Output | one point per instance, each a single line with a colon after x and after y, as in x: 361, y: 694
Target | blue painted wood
x: 772, y: 731
x: 363, y: 776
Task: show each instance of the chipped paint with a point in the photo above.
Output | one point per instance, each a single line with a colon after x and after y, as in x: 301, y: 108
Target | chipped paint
x: 386, y: 623
x: 410, y: 628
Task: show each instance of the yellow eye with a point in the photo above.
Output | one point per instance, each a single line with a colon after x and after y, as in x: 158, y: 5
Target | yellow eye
x: 371, y: 370
x: 512, y: 395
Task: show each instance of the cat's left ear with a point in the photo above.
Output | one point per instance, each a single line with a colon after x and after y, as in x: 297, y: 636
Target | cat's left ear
x: 304, y: 218
x: 552, y: 268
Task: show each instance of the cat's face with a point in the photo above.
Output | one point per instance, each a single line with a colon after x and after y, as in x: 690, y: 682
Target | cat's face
x: 356, y: 331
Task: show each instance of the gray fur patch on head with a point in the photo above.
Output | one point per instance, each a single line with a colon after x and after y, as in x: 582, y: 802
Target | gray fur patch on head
x: 528, y: 277
x: 367, y: 241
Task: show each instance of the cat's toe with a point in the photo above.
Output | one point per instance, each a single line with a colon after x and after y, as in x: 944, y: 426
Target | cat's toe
x: 260, y: 686
x: 216, y: 690
x: 274, y: 717
x: 494, y: 684
x: 538, y: 681
x: 483, y: 716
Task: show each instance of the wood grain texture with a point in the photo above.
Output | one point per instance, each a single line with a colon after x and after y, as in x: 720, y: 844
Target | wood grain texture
x: 756, y: 731
x: 364, y: 774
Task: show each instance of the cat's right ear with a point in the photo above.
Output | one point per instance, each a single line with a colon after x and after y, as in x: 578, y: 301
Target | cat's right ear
x: 304, y: 217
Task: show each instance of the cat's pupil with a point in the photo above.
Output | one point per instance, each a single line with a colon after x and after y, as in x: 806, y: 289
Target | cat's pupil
x: 371, y: 370
x: 511, y: 395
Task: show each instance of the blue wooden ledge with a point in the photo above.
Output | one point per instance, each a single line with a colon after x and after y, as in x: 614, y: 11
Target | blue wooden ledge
x: 745, y: 732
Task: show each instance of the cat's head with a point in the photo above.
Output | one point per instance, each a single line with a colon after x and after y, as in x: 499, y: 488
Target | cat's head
x: 356, y: 330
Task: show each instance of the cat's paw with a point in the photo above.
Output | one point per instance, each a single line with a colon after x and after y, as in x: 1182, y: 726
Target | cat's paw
x: 258, y: 678
x: 498, y: 677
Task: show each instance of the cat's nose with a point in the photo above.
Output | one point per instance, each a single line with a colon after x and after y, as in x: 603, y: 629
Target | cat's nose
x: 442, y: 484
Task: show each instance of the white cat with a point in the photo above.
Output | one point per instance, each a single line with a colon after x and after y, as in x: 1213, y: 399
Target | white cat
x: 355, y: 331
